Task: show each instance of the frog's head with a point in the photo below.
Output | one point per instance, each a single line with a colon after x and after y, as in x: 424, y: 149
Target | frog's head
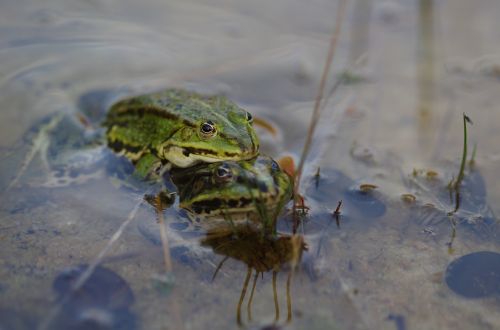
x: 234, y: 188
x: 211, y: 136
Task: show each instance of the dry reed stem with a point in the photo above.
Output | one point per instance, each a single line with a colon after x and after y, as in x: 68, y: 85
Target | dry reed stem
x: 317, y: 103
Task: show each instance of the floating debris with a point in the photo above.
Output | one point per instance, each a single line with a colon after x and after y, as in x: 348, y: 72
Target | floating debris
x: 408, y: 198
x: 427, y: 173
x: 367, y: 187
x: 287, y: 164
x: 431, y: 174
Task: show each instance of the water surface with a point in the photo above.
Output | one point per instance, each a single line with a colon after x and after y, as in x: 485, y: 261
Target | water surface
x: 419, y: 67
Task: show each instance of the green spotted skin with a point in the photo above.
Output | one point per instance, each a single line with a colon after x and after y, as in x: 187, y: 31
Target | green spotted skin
x: 168, y: 127
x: 235, y: 189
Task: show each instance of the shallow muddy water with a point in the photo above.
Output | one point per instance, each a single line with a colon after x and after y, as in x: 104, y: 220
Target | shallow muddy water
x: 395, y: 258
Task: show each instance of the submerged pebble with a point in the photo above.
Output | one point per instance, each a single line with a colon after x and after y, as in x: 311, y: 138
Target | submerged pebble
x: 475, y: 275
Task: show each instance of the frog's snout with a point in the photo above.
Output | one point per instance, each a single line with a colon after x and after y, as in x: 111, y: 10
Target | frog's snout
x: 249, y: 147
x: 253, y: 146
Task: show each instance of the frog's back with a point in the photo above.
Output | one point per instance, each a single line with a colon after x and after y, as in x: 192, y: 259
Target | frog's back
x: 175, y: 104
x: 142, y: 123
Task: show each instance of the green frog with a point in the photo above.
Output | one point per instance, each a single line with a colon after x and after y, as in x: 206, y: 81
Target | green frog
x: 179, y: 128
x: 154, y: 131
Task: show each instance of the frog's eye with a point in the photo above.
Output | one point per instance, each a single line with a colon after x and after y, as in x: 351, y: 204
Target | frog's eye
x: 249, y: 117
x: 207, y: 129
x: 223, y: 172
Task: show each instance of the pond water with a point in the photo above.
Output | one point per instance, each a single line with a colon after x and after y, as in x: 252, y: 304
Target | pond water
x: 397, y: 256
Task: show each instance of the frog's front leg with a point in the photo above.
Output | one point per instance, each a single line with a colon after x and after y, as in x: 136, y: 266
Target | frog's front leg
x: 149, y: 169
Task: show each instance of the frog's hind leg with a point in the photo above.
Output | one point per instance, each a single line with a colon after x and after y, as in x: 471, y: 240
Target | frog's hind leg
x: 39, y: 145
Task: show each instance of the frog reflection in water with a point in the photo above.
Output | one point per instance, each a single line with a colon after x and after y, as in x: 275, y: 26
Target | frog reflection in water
x: 237, y: 203
x: 234, y: 206
x: 224, y: 197
x: 261, y: 254
x: 222, y: 194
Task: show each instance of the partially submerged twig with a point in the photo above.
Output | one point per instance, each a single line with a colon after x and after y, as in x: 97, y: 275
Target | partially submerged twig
x: 336, y: 213
x: 317, y: 177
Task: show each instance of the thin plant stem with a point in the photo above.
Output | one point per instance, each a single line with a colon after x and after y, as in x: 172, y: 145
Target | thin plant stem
x: 317, y: 103
x: 461, y: 173
x: 455, y: 186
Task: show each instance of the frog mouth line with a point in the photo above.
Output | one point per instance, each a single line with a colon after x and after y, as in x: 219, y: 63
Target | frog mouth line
x: 211, y: 154
x: 187, y: 156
